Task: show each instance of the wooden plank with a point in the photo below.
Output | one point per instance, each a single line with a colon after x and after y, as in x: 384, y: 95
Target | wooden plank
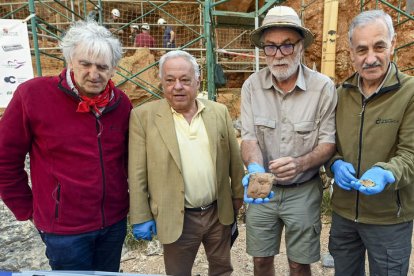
x: 330, y: 22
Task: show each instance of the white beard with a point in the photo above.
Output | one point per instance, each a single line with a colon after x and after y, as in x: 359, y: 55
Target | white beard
x: 284, y: 74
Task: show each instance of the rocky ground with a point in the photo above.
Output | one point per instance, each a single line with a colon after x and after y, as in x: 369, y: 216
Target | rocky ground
x: 21, y: 249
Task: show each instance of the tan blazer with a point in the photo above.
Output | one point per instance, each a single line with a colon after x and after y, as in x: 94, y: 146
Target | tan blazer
x: 156, y: 184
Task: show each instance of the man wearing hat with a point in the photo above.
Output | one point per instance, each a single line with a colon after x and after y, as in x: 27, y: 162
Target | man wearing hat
x: 144, y: 39
x: 113, y: 23
x: 288, y: 129
x: 168, y: 39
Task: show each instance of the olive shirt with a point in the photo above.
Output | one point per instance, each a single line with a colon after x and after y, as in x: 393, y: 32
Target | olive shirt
x: 378, y: 131
x: 290, y: 124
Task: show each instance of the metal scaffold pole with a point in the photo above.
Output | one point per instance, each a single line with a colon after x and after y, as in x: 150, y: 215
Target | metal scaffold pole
x: 211, y: 88
x: 35, y: 41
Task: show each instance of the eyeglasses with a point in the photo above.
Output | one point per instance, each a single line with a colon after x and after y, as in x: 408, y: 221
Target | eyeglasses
x: 286, y: 49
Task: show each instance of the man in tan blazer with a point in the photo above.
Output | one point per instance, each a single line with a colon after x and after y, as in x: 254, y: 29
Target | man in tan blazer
x: 185, y: 171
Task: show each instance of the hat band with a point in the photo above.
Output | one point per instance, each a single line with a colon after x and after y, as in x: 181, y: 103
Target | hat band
x: 284, y: 19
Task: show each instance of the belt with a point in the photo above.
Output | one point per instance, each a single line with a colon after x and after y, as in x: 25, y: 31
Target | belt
x: 294, y: 185
x: 202, y: 208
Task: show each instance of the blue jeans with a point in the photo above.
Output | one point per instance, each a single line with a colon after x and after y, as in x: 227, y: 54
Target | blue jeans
x: 97, y: 250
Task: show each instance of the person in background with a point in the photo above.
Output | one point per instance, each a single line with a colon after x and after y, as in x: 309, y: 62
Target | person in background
x: 288, y: 129
x: 74, y: 127
x: 144, y: 39
x: 134, y: 28
x: 113, y: 22
x: 373, y: 168
x: 93, y: 14
x: 168, y: 38
x: 185, y: 171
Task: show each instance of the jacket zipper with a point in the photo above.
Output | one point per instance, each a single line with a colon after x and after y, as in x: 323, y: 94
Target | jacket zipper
x: 364, y: 103
x: 99, y: 131
x: 398, y: 204
x: 57, y: 201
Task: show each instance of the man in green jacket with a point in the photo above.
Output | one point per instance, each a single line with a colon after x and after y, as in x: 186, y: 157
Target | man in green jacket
x: 373, y: 199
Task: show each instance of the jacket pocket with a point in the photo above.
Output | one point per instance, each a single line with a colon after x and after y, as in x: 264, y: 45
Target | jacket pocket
x: 398, y: 260
x: 154, y: 209
x: 56, y: 198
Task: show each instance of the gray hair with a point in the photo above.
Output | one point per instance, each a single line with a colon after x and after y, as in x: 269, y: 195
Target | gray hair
x: 368, y: 17
x: 95, y: 39
x: 183, y: 54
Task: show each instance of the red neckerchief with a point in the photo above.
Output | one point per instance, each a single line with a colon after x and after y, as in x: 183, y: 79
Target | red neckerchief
x: 96, y: 102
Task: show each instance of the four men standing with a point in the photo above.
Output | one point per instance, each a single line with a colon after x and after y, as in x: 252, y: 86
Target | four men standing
x: 184, y: 161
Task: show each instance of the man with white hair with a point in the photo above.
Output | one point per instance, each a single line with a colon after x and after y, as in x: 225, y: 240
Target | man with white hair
x: 185, y: 171
x: 288, y: 129
x: 373, y: 168
x: 144, y: 39
x: 74, y: 127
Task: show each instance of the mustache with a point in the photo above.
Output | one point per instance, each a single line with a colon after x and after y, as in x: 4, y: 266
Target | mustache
x: 281, y: 62
x: 372, y: 65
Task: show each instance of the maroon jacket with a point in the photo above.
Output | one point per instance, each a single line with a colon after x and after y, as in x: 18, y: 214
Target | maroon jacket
x: 79, y: 180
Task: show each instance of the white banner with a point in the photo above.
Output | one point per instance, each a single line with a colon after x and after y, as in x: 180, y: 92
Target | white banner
x: 15, y: 60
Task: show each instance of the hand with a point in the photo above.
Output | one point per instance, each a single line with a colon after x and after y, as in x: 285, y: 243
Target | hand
x: 377, y: 175
x: 144, y: 230
x: 344, y: 174
x: 168, y: 44
x: 254, y: 168
x: 285, y: 168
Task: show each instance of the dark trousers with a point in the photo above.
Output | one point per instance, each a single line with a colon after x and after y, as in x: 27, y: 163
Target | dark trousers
x: 97, y: 250
x: 200, y: 227
x: 388, y: 246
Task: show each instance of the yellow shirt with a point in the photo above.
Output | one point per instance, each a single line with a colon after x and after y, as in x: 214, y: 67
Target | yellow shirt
x: 197, y: 165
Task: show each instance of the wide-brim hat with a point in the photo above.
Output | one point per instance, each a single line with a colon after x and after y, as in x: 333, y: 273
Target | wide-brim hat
x: 281, y: 17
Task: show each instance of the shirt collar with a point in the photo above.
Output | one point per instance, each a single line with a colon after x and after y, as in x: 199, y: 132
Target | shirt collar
x: 200, y: 108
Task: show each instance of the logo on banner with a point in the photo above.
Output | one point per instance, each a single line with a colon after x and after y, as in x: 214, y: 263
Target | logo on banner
x: 13, y: 64
x: 11, y: 47
x: 13, y: 79
x: 10, y: 79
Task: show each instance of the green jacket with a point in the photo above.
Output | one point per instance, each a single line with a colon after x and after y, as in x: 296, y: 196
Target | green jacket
x: 377, y: 131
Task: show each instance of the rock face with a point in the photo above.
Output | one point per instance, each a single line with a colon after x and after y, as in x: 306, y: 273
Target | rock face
x: 21, y: 246
x: 148, y: 79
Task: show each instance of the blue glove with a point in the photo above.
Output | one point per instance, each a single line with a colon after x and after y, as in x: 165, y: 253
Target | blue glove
x: 378, y: 175
x: 144, y: 230
x: 344, y: 174
x: 254, y: 168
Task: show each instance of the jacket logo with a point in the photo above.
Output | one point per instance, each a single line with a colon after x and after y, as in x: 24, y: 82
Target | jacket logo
x: 386, y: 121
